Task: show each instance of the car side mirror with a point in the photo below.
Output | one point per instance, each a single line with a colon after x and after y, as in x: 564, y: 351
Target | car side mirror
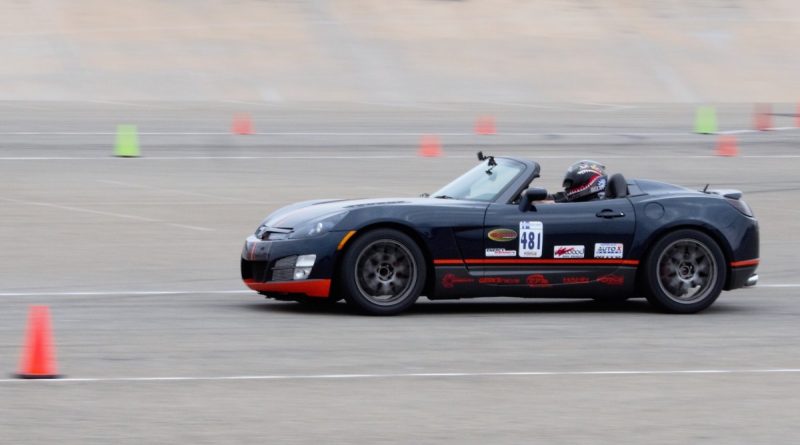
x: 530, y: 195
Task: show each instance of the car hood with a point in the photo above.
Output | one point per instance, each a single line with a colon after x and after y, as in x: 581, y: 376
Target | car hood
x: 295, y: 214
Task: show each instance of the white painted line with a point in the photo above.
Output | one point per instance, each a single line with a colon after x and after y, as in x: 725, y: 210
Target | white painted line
x: 748, y: 130
x: 196, y: 158
x: 414, y: 105
x: 103, y: 213
x: 772, y: 156
x: 413, y: 375
x: 359, y: 157
x: 778, y: 286
x: 606, y: 107
x: 336, y: 133
x: 115, y: 293
x: 130, y: 104
x: 182, y: 192
x: 186, y: 226
x: 125, y: 293
x: 737, y: 131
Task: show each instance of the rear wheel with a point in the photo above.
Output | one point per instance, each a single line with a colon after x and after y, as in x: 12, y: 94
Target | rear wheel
x: 383, y: 272
x: 684, y: 272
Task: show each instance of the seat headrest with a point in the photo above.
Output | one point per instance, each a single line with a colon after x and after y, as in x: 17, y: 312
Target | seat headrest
x: 617, y: 186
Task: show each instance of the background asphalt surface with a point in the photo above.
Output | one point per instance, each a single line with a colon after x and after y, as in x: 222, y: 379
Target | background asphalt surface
x: 138, y: 260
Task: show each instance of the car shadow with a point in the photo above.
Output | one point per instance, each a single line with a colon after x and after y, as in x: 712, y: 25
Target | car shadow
x: 485, y: 306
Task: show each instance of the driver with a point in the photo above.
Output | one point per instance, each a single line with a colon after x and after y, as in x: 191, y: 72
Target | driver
x: 584, y: 181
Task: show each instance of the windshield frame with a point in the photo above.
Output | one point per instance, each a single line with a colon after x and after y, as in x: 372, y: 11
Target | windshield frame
x: 511, y: 191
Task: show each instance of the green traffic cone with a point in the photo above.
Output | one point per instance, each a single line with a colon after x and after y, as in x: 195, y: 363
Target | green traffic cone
x: 127, y: 141
x: 705, y: 121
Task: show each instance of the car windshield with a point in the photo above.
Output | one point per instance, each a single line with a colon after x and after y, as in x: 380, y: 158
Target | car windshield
x: 478, y: 185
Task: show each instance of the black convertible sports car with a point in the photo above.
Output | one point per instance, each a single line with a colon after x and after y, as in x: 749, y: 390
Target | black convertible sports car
x: 489, y: 233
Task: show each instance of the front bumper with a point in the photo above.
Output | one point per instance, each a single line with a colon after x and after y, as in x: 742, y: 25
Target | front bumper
x: 268, y: 266
x: 310, y: 288
x: 743, y: 276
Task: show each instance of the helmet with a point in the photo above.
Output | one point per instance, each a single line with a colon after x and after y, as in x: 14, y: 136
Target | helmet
x: 585, y: 180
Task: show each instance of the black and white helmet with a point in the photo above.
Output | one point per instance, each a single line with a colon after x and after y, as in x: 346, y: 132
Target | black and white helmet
x: 585, y: 180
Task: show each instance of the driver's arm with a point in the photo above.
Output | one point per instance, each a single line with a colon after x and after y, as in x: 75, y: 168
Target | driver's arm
x: 557, y: 197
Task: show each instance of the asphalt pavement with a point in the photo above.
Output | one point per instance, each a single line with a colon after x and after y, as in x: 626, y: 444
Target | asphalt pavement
x: 138, y: 260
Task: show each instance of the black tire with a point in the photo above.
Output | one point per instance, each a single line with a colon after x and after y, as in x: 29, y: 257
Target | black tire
x: 684, y: 272
x: 383, y: 272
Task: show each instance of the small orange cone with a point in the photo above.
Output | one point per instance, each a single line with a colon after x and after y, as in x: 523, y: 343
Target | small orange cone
x: 797, y: 117
x: 726, y: 146
x: 242, y: 124
x: 430, y: 146
x: 38, y: 359
x: 485, y: 125
x: 762, y: 119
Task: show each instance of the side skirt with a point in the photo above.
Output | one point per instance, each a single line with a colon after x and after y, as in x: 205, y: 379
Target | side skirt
x: 561, y: 282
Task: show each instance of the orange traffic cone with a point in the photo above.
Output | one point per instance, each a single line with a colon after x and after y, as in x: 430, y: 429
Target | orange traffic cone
x: 485, y: 125
x: 762, y: 118
x: 430, y: 146
x: 38, y: 359
x: 726, y: 146
x: 242, y: 124
x: 797, y: 117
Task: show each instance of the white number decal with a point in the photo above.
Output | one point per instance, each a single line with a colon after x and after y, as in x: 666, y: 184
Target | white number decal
x: 531, y: 234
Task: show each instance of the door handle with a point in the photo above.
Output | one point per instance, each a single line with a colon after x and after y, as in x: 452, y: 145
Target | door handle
x: 608, y: 213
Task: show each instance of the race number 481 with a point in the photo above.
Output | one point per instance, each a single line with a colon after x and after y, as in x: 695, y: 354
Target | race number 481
x: 530, y: 239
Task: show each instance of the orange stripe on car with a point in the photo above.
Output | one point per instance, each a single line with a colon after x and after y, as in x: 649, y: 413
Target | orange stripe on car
x: 312, y: 288
x: 442, y: 262
x: 447, y: 262
x: 744, y: 263
x: 345, y: 239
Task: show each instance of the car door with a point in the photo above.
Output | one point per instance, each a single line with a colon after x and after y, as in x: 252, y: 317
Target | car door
x: 556, y: 245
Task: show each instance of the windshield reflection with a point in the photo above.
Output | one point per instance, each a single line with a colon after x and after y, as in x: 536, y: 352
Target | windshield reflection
x: 482, y: 183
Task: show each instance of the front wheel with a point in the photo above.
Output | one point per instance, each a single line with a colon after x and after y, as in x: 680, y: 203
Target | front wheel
x: 383, y: 272
x: 684, y: 272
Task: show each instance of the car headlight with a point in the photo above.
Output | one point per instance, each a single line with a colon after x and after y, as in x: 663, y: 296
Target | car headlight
x: 317, y: 226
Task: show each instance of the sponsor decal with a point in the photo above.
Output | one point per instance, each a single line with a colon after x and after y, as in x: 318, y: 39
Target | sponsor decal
x: 612, y: 280
x: 568, y: 252
x: 608, y: 250
x: 502, y: 235
x: 450, y: 280
x: 531, y: 234
x: 575, y: 280
x: 501, y: 252
x: 498, y: 280
x: 537, y: 280
x: 600, y: 185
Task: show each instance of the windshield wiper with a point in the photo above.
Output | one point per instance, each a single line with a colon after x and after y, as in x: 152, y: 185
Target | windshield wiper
x: 443, y: 197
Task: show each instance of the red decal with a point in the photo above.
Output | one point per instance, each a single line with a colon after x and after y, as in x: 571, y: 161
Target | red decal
x: 498, y: 280
x: 450, y: 280
x: 745, y: 263
x: 612, y: 280
x: 575, y: 280
x: 312, y: 288
x: 564, y: 250
x: 502, y: 235
x: 537, y: 280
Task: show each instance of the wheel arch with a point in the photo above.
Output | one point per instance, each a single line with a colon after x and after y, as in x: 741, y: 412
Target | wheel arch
x: 403, y: 228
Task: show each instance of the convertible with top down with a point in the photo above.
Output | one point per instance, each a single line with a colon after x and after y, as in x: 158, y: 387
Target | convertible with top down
x: 490, y: 232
